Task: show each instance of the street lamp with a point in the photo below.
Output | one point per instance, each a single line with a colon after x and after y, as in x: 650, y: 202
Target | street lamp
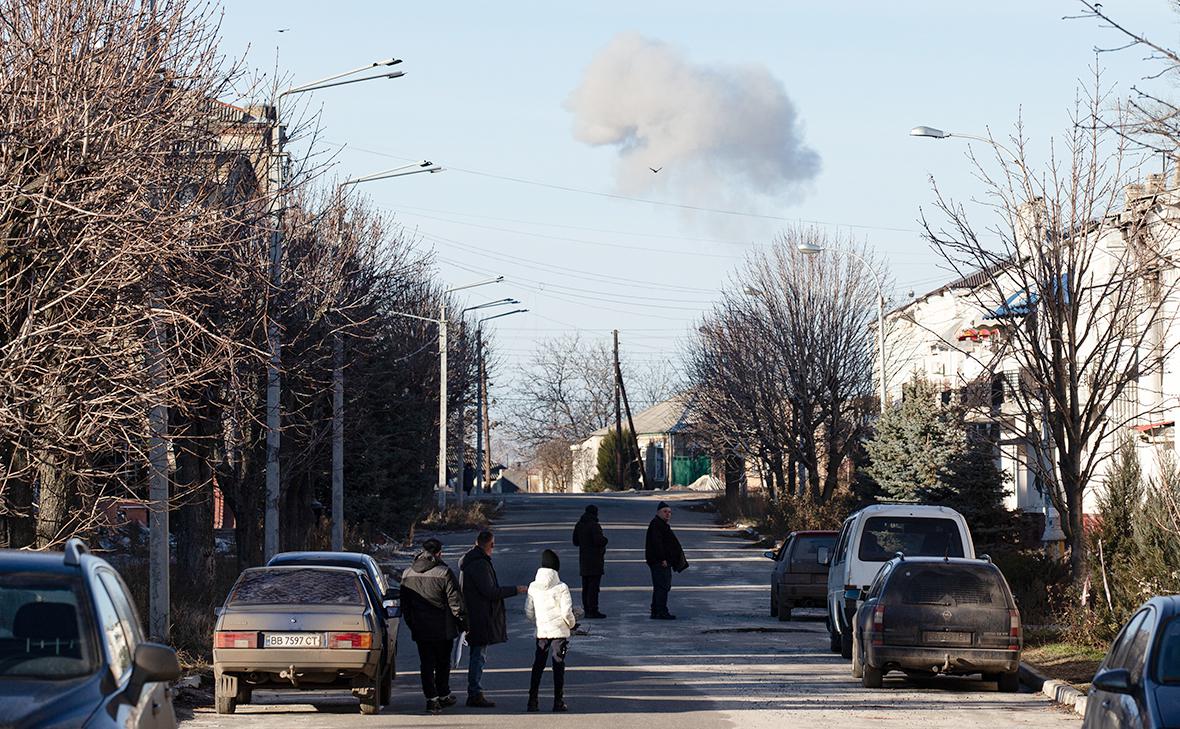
x: 482, y: 468
x: 460, y: 457
x: 274, y: 366
x: 810, y: 249
x: 338, y: 355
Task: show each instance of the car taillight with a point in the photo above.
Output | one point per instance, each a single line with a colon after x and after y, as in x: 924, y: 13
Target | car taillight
x: 879, y: 625
x: 230, y: 639
x: 350, y: 640
x: 1013, y: 630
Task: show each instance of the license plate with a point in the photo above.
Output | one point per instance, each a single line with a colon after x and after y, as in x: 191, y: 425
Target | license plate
x: 293, y: 640
x: 946, y: 637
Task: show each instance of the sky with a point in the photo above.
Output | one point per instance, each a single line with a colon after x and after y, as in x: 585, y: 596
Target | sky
x: 794, y: 111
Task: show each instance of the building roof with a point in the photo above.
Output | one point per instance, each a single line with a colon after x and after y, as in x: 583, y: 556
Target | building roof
x: 669, y: 416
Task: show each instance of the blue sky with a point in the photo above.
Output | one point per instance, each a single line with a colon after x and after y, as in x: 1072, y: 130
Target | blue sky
x: 485, y: 95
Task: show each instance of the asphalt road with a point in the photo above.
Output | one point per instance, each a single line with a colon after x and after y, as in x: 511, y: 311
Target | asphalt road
x: 724, y: 663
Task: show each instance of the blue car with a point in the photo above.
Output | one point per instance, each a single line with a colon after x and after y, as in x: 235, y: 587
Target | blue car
x: 72, y: 649
x: 1138, y: 683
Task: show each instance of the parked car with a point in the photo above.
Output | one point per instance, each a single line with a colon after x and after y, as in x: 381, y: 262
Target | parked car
x: 800, y: 574
x: 870, y: 538
x: 928, y: 615
x: 376, y: 583
x: 1138, y: 683
x: 300, y: 627
x: 72, y: 648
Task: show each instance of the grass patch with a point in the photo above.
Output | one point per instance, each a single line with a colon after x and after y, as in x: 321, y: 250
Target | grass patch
x: 1065, y: 661
x: 470, y: 517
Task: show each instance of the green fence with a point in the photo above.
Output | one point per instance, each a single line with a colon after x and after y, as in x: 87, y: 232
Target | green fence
x: 687, y: 469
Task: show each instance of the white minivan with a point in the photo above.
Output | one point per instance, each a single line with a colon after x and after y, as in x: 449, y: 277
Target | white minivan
x: 873, y: 536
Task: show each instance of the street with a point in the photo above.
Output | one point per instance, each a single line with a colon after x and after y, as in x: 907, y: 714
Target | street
x: 725, y: 662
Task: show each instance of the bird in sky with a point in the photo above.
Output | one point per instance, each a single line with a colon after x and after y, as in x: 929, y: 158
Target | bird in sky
x: 655, y: 170
x: 283, y: 30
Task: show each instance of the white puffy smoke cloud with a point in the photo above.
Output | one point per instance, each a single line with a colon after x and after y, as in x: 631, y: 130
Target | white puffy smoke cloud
x: 723, y: 134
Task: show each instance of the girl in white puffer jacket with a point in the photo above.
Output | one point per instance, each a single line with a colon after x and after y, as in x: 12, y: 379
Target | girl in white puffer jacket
x: 551, y: 609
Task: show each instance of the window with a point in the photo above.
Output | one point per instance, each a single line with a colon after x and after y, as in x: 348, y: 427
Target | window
x: 285, y: 586
x: 947, y: 584
x: 805, y: 555
x: 44, y: 633
x: 913, y: 536
x: 1117, y: 656
x: 111, y: 627
x: 842, y: 546
x: 127, y: 615
x: 879, y: 582
x: 1136, y: 657
x: 1167, y: 666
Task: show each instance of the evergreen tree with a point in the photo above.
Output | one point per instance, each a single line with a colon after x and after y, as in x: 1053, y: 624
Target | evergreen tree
x: 608, y: 472
x: 914, y: 442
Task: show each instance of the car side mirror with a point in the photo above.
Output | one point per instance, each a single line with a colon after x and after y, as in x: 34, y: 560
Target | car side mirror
x: 825, y: 556
x: 393, y: 593
x: 1114, y: 680
x: 769, y: 554
x: 152, y: 662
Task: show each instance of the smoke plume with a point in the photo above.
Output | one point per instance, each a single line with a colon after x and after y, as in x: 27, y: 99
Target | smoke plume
x: 724, y: 135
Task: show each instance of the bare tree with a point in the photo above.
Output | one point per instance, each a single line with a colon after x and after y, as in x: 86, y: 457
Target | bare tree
x: 1088, y: 287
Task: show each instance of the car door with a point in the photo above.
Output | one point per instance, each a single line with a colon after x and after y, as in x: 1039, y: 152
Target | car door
x: 781, y: 561
x: 388, y: 626
x: 155, y: 699
x: 1104, y: 709
x: 864, y: 614
x: 836, y: 575
x: 1132, y: 708
x: 119, y: 648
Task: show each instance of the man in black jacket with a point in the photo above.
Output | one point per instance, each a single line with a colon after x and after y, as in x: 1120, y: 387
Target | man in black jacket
x: 432, y: 607
x: 486, y: 622
x: 664, y: 554
x: 591, y: 544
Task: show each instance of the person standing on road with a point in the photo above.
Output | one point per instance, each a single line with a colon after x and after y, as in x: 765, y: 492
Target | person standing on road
x: 486, y: 621
x: 664, y: 554
x: 432, y: 607
x: 591, y: 544
x: 551, y: 609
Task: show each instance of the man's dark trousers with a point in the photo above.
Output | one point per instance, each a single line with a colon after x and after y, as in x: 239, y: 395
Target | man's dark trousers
x: 435, y: 657
x: 661, y: 584
x: 591, y: 584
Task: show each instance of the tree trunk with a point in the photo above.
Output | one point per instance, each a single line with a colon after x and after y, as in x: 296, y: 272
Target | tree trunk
x: 53, y: 501
x: 192, y: 522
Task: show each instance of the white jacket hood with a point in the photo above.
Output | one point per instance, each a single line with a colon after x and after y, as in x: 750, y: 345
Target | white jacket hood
x: 549, y: 605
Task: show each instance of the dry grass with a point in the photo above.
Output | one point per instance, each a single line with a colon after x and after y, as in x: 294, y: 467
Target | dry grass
x: 472, y: 516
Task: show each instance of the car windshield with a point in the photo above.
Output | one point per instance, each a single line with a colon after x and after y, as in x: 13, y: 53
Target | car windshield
x: 297, y: 586
x: 945, y: 584
x: 913, y: 536
x: 42, y: 630
x: 805, y: 555
x: 1168, y: 663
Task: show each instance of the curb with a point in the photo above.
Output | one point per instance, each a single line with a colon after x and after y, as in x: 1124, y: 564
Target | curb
x: 1058, y: 691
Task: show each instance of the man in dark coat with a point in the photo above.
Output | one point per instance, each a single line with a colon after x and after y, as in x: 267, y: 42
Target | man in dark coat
x: 663, y: 554
x: 486, y: 622
x: 432, y: 607
x: 591, y: 544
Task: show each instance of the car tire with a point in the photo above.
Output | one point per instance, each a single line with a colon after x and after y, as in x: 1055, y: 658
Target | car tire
x: 387, y: 687
x: 784, y: 609
x: 774, y: 602
x: 1008, y: 683
x: 833, y: 639
x: 872, y: 677
x: 846, y: 644
x: 225, y: 692
x: 858, y: 668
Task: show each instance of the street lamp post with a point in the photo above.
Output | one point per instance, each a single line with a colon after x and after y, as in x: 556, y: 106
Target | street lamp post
x: 274, y: 366
x: 809, y: 249
x: 460, y: 456
x: 338, y: 355
x: 479, y: 394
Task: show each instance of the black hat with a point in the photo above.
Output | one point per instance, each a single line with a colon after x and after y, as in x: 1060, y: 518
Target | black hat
x: 591, y: 509
x: 663, y: 505
x: 432, y: 545
x: 549, y: 560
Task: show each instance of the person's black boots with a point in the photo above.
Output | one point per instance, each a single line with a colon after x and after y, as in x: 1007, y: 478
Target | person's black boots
x: 432, y: 706
x: 534, y: 704
x: 559, y: 706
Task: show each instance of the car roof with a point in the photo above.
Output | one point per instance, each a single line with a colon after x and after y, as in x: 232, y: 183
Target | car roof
x: 20, y: 560
x: 292, y: 567
x: 1168, y: 605
x: 961, y: 561
x: 307, y: 557
x: 815, y: 533
x: 905, y: 508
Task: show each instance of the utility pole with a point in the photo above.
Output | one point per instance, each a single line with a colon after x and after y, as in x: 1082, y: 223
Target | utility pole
x: 487, y: 426
x: 478, y: 485
x: 159, y: 563
x: 618, y: 417
x: 337, y: 442
x: 442, y: 405
x: 459, y: 446
x: 631, y: 425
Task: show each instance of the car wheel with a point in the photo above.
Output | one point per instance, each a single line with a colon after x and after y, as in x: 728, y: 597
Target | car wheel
x: 774, y: 602
x: 846, y: 644
x: 872, y: 677
x: 857, y: 664
x: 370, y: 696
x: 833, y: 640
x: 387, y: 687
x: 1008, y: 683
x: 225, y: 691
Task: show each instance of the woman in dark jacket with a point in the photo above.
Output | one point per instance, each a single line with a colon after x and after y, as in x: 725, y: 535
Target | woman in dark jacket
x: 486, y: 621
x: 591, y: 544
